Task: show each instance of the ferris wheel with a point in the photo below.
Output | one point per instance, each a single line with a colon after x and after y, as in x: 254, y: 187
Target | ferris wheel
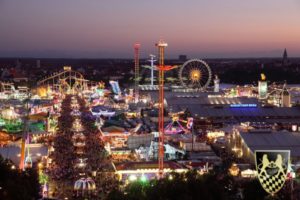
x: 195, y: 74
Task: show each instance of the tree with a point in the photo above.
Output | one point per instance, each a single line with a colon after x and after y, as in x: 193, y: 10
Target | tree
x: 187, y: 186
x: 253, y: 190
x: 17, y: 185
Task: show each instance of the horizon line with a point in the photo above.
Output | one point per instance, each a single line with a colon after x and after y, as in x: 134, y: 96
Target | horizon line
x: 121, y: 58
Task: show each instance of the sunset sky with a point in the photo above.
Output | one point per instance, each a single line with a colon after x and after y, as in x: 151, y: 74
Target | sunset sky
x: 109, y: 28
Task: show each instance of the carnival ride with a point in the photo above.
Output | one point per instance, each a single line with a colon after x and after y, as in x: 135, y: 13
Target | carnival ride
x: 78, y: 137
x: 81, y: 163
x: 15, y: 126
x: 152, y: 67
x: 84, y: 186
x: 115, y: 87
x: 10, y: 121
x: 99, y: 90
x: 66, y: 82
x: 175, y: 127
x: 274, y: 96
x: 75, y: 113
x: 170, y: 152
x: 136, y: 129
x: 37, y: 127
x: 102, y: 111
x: 7, y: 88
x: 195, y: 74
x: 77, y: 126
x: 276, y: 89
x: 161, y: 68
x: 28, y: 159
x: 136, y: 71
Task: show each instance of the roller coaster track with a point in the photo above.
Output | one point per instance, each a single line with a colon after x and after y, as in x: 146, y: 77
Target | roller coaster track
x: 66, y: 81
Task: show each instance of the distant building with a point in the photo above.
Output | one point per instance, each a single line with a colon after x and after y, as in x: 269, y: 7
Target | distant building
x: 216, y: 84
x: 18, y: 64
x: 285, y: 60
x: 135, y: 141
x: 5, y: 74
x: 262, y: 87
x: 38, y: 64
x: 217, y: 109
x: 246, y: 143
x: 182, y: 58
x: 285, y: 98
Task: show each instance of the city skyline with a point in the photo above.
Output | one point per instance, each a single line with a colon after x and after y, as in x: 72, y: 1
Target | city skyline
x: 206, y: 29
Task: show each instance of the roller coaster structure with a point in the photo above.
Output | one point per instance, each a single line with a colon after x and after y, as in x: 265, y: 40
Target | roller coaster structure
x: 66, y: 82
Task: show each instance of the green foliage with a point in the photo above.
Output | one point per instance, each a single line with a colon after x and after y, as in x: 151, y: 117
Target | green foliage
x: 181, y: 186
x: 192, y: 186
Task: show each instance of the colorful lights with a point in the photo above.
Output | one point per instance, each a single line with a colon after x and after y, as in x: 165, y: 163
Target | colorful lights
x: 132, y: 178
x: 40, y: 165
x: 263, y: 77
x: 251, y: 105
x: 195, y: 75
x: 143, y: 179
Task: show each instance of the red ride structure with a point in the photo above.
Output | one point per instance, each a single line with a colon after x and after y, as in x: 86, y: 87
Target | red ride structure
x: 161, y: 68
x: 136, y: 70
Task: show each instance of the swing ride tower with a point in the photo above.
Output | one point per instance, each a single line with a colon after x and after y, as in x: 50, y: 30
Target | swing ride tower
x: 161, y: 45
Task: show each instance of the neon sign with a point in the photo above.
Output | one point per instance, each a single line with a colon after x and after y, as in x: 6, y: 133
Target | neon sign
x: 250, y: 105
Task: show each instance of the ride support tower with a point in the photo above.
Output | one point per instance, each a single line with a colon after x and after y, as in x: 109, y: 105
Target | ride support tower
x: 161, y: 68
x: 136, y: 71
x: 152, y: 60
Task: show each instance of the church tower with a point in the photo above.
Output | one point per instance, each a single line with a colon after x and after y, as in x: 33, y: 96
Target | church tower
x: 285, y: 60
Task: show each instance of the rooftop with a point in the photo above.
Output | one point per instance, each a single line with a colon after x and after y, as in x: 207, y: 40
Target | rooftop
x: 273, y: 141
x: 147, y: 165
x: 240, y: 112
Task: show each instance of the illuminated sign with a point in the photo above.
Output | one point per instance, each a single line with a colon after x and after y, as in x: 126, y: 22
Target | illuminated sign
x: 251, y: 105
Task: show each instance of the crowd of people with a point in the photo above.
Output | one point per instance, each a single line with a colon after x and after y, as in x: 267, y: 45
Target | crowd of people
x: 64, y: 169
x: 63, y: 156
